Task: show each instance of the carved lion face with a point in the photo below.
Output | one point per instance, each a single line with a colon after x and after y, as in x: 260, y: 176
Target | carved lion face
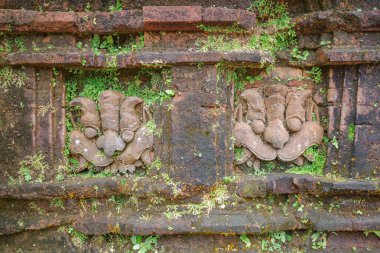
x: 117, y: 128
x: 276, y: 122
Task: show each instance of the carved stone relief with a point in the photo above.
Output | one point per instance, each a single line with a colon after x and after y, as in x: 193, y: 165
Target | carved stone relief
x: 115, y: 136
x: 276, y: 122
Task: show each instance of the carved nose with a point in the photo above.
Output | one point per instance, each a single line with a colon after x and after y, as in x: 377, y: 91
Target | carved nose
x: 110, y: 142
x: 276, y: 134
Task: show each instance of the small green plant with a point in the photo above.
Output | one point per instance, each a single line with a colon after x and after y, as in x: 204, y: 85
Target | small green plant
x: 299, y: 55
x: 325, y: 42
x: 221, y: 43
x: 276, y: 241
x: 35, y: 47
x: 117, y: 7
x: 34, y: 207
x: 79, y: 45
x: 229, y: 179
x: 315, y: 74
x: 334, y: 142
x: 144, y: 244
x: 244, y: 238
x: 221, y: 29
x: 33, y: 165
x: 20, y: 44
x: 157, y: 164
x: 268, y: 9
x: 351, y: 132
x: 376, y: 232
x: 297, y: 204
x: 10, y: 77
x: 44, y: 109
x: 110, y: 44
x: 319, y: 240
x: 238, y: 153
x: 55, y: 75
x: 57, y: 202
x: 78, y: 238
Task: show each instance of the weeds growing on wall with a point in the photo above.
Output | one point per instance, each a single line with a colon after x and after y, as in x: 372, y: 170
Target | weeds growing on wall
x: 11, y: 78
x: 316, y: 167
x: 276, y: 32
x: 32, y: 169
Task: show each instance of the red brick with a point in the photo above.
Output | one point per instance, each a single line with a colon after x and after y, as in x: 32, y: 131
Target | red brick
x: 223, y: 16
x: 220, y: 16
x: 348, y: 55
x: 70, y: 22
x: 172, y: 18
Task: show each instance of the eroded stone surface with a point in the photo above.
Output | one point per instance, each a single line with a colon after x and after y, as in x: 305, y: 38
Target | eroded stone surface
x: 117, y: 127
x: 197, y: 152
x: 278, y: 120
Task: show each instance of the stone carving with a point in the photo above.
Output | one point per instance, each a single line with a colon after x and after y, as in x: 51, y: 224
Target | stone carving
x: 116, y: 135
x: 276, y: 122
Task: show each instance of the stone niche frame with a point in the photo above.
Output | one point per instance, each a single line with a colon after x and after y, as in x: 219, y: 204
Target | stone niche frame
x: 195, y: 148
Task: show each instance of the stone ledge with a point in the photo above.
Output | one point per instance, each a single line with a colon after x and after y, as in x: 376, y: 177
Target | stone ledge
x: 187, y: 18
x: 131, y: 60
x: 244, y: 220
x: 151, y: 18
x: 71, y: 22
x: 245, y: 187
x: 348, y: 55
x: 328, y: 21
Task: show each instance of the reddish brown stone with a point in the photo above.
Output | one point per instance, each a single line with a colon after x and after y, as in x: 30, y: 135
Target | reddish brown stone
x: 46, y: 59
x: 172, y: 18
x: 226, y: 17
x: 348, y: 55
x: 132, y: 60
x: 328, y: 21
x: 70, y: 22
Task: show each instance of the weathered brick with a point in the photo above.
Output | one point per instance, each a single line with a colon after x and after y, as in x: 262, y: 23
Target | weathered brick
x: 227, y: 17
x: 348, y: 55
x: 329, y: 21
x: 70, y: 22
x: 199, y: 123
x: 172, y: 18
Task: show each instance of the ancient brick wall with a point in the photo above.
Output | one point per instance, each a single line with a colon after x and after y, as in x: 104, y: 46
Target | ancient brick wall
x: 189, y: 126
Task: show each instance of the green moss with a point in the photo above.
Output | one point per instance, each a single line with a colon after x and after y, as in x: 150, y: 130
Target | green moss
x: 57, y: 202
x: 351, y: 132
x: 32, y: 168
x: 222, y: 29
x: 238, y: 153
x: 277, y: 33
x: 78, y: 238
x: 110, y: 44
x: 315, y: 167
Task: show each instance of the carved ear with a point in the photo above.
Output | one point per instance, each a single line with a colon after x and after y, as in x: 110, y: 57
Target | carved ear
x: 147, y: 115
x: 238, y: 114
x: 90, y: 117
